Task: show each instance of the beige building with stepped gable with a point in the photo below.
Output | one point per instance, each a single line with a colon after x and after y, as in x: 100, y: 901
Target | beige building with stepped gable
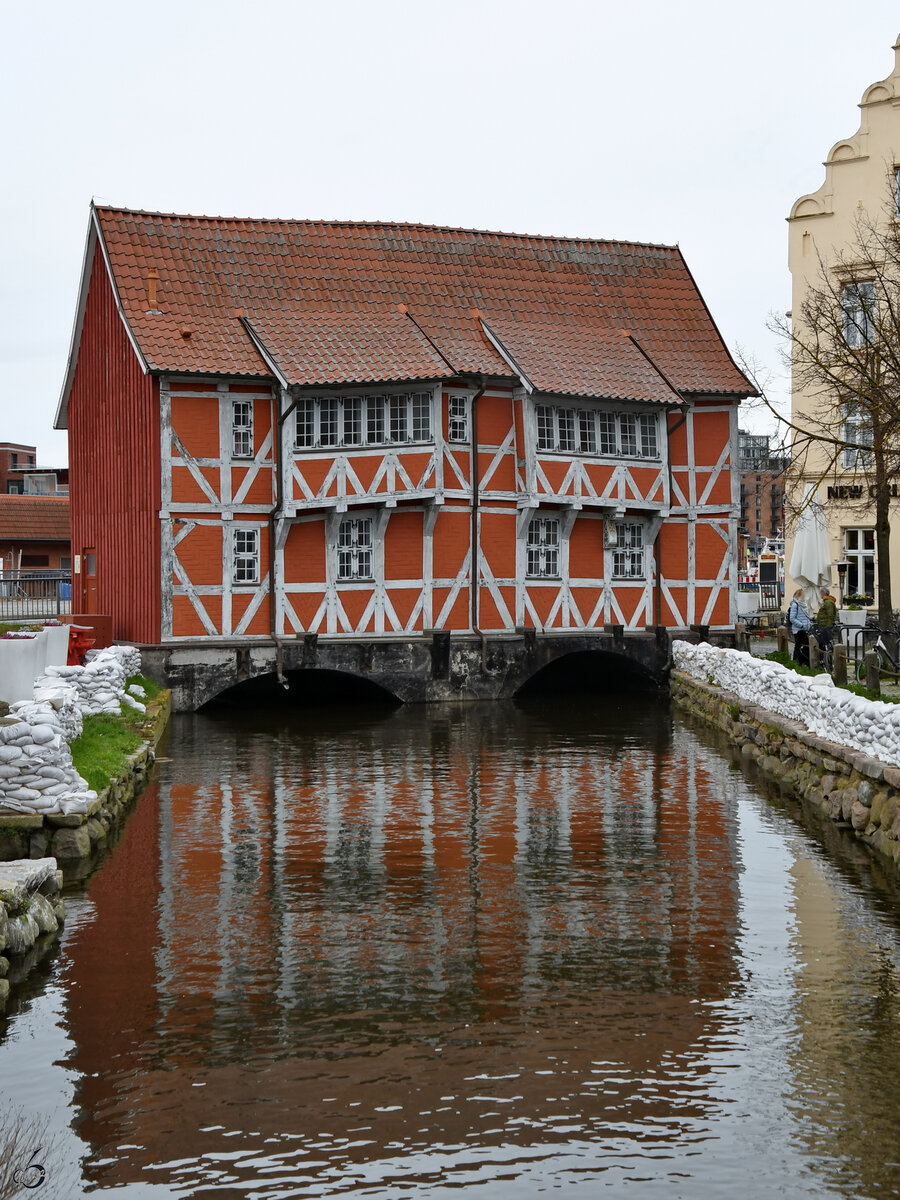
x: 862, y: 178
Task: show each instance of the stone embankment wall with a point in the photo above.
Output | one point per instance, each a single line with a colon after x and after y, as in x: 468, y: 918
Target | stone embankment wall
x: 48, y: 814
x: 31, y: 912
x: 846, y: 782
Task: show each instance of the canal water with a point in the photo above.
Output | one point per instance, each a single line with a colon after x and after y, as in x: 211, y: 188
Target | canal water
x: 487, y: 950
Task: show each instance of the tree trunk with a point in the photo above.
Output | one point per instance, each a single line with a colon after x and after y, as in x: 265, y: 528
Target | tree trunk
x: 883, y: 550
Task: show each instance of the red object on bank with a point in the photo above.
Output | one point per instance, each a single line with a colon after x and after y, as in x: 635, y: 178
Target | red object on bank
x: 79, y: 644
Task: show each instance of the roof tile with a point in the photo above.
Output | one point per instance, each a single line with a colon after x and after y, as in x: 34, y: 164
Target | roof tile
x: 301, y: 281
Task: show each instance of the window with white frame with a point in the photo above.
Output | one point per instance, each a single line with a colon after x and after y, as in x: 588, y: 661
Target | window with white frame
x: 857, y: 433
x: 859, y: 553
x: 396, y: 418
x: 629, y: 552
x: 565, y: 429
x: 355, y: 550
x: 242, y: 429
x: 542, y: 548
x: 457, y: 418
x: 858, y: 307
x: 246, y: 556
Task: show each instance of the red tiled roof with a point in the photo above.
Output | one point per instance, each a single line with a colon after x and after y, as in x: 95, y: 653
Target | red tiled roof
x: 345, y: 347
x: 34, y: 518
x: 580, y: 359
x: 323, y: 298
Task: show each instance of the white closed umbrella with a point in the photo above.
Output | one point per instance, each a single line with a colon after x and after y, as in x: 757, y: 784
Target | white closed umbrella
x: 810, y: 564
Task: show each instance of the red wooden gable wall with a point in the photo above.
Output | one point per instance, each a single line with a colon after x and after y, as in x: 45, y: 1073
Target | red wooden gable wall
x: 113, y: 421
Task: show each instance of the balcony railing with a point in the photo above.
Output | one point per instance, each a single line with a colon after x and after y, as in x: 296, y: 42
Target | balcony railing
x: 32, y: 594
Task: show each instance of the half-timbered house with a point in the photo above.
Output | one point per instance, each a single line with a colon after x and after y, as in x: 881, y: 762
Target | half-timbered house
x: 362, y: 429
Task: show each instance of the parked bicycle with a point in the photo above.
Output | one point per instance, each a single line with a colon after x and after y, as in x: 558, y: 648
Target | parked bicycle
x: 887, y: 664
x: 825, y: 635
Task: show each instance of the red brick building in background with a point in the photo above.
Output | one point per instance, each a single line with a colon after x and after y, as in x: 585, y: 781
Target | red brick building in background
x: 34, y: 533
x: 361, y: 429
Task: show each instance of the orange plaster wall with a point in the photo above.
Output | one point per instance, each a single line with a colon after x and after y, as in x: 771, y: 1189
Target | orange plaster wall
x: 200, y: 553
x: 452, y: 534
x: 262, y: 418
x: 555, y: 472
x: 313, y: 471
x: 679, y: 598
x: 502, y: 478
x: 586, y: 600
x: 259, y: 622
x: 672, y: 551
x: 542, y: 597
x: 709, y: 552
x: 354, y: 604
x: 494, y: 418
x: 304, y: 553
x: 712, y: 431
x: 403, y: 601
x: 186, y: 622
x: 458, y: 617
x: 196, y: 421
x: 463, y: 461
x: 498, y: 543
x: 677, y: 439
x: 306, y: 605
x: 186, y: 489
x: 586, y: 549
x: 403, y: 540
x: 260, y: 491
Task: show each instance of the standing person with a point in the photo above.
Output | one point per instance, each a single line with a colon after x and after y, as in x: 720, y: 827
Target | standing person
x: 826, y: 618
x: 800, y: 625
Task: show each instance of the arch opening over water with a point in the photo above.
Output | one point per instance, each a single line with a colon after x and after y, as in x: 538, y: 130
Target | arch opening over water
x: 309, y: 688
x: 589, y: 672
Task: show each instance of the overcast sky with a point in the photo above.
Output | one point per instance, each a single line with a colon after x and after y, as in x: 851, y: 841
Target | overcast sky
x: 697, y: 123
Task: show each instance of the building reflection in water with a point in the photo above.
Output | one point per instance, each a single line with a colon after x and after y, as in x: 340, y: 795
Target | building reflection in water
x: 334, y: 948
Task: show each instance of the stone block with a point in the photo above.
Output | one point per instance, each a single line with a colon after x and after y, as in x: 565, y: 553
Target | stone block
x: 66, y: 820
x: 16, y: 820
x: 859, y: 815
x: 871, y: 768
x: 69, y: 844
x: 892, y: 777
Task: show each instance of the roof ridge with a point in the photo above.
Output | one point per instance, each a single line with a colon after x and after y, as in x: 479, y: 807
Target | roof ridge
x: 310, y: 222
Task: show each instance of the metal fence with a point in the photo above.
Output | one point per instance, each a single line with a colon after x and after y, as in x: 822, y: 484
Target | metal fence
x: 34, y: 594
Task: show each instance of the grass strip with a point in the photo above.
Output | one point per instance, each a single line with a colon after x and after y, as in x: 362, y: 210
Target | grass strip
x: 101, y: 752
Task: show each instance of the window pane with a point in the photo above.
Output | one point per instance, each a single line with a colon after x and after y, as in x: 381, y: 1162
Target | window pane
x: 587, y: 431
x: 545, y: 434
x: 566, y: 429
x: 457, y: 419
x: 628, y: 434
x: 607, y: 423
x: 648, y: 436
x: 329, y: 410
x: 242, y: 429
x: 355, y: 552
x: 421, y: 416
x: 399, y: 418
x: 305, y: 423
x: 628, y: 556
x: 246, y: 556
x: 542, y: 548
x: 375, y: 420
x: 858, y: 304
x: 352, y: 431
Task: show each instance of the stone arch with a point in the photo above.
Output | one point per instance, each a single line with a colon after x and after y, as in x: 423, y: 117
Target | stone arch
x: 595, y: 670
x: 303, y: 686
